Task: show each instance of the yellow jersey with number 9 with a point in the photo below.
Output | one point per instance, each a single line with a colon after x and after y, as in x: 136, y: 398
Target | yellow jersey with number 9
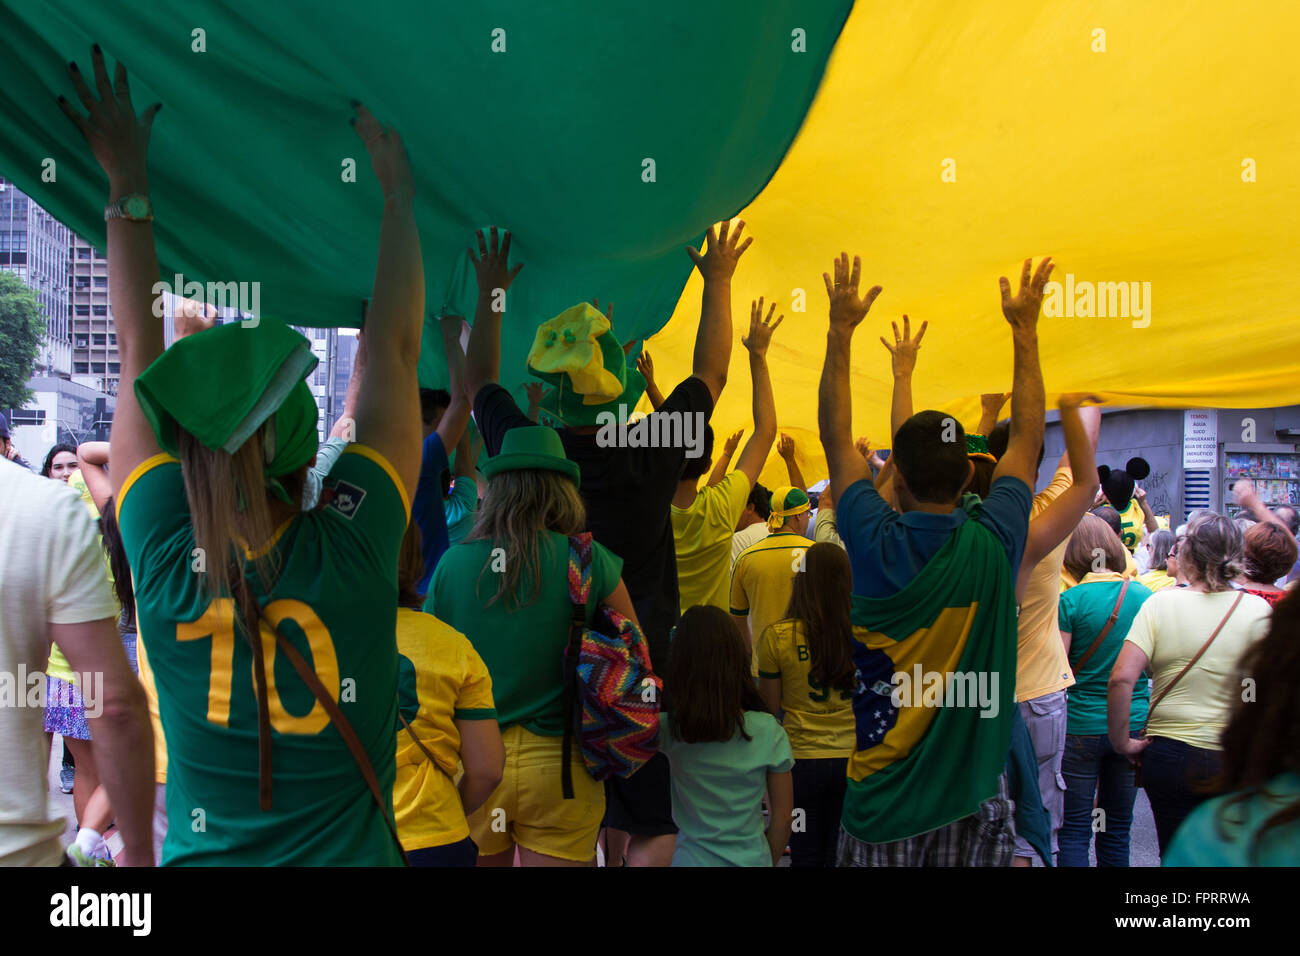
x: 818, y: 719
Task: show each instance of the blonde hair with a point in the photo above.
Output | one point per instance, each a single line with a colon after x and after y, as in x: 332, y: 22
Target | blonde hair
x: 518, y: 506
x: 229, y: 509
x: 1212, y: 551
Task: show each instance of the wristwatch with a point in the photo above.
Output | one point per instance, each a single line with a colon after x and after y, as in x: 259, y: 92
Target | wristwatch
x: 132, y: 206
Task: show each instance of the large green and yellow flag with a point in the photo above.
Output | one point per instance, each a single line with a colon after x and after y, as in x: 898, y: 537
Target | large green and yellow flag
x: 1150, y: 148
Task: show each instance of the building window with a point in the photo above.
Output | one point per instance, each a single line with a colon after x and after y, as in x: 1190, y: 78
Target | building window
x: 99, y: 338
x: 83, y: 310
x: 81, y: 368
x: 97, y: 366
x: 101, y: 282
x: 101, y: 309
x: 83, y: 252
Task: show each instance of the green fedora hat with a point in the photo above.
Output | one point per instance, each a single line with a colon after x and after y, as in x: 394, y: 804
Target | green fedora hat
x: 531, y: 446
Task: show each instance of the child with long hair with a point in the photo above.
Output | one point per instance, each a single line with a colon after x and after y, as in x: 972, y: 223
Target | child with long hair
x: 724, y: 749
x: 805, y: 668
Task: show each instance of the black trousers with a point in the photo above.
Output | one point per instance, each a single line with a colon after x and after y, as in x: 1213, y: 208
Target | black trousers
x: 819, y: 785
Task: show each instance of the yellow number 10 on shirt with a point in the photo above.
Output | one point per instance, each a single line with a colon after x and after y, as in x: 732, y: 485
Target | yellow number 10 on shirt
x: 217, y: 622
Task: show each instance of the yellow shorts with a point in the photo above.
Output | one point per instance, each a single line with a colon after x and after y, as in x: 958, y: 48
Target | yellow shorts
x: 529, y: 809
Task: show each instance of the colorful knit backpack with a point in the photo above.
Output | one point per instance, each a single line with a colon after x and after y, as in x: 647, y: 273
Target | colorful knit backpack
x: 611, y: 695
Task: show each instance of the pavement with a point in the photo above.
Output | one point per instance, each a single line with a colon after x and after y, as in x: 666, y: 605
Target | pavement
x: 1143, y: 848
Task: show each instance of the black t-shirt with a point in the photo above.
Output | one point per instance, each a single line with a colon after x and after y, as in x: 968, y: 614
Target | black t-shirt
x: 628, y: 493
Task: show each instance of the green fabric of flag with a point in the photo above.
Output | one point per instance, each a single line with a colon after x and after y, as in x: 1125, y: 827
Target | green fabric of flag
x: 606, y: 137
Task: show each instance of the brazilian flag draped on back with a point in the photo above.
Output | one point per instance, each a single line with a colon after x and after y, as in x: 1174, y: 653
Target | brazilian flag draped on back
x: 925, y: 756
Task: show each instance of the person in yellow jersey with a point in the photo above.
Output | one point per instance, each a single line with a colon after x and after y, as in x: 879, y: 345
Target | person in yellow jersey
x: 448, y: 719
x: 1123, y: 494
x: 704, y: 520
x: 763, y: 578
x: 1161, y: 547
x: 806, y: 670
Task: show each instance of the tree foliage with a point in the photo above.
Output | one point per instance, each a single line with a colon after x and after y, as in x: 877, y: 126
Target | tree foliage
x: 22, y: 324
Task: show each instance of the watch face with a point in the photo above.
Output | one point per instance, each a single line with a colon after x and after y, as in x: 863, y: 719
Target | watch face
x: 137, y: 207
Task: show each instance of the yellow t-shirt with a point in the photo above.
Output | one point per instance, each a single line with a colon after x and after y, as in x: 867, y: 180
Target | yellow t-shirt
x: 702, y: 538
x: 818, y: 720
x: 1132, y: 525
x: 439, y: 673
x: 1041, y: 663
x: 1170, y: 628
x: 151, y: 696
x: 763, y: 579
x: 1155, y: 579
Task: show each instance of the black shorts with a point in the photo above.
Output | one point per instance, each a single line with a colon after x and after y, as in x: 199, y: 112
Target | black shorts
x: 643, y: 803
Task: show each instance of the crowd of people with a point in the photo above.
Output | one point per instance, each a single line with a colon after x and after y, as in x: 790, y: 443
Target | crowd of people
x: 461, y: 632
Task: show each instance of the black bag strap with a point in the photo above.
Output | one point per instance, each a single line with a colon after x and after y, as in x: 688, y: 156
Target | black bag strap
x: 1110, y: 622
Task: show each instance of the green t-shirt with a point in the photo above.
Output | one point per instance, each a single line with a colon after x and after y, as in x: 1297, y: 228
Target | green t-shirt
x: 1082, y: 613
x: 718, y: 792
x: 335, y: 599
x: 522, y: 648
x: 1219, y: 834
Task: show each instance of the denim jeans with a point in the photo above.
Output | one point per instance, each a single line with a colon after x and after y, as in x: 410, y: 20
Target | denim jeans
x: 1092, y: 769
x: 1176, y: 777
x: 819, y: 786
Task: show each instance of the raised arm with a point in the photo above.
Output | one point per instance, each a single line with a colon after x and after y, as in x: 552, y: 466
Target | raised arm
x: 1081, y: 427
x: 991, y: 404
x: 713, y: 341
x: 786, y: 449
x: 120, y: 142
x: 834, y: 401
x: 754, y: 454
x: 1148, y: 516
x: 1021, y: 457
x: 388, y: 412
x: 346, y: 426
x: 452, y: 426
x: 483, y: 356
x: 92, y: 459
x: 646, y: 366
x: 1244, y: 491
x: 466, y: 456
x: 902, y: 356
x: 723, y: 459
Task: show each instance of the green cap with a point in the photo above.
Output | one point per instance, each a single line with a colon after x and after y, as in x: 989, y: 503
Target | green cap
x: 531, y: 447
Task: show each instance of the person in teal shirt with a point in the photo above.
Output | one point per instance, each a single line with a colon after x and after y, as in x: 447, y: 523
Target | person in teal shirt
x: 724, y: 749
x: 1097, y: 779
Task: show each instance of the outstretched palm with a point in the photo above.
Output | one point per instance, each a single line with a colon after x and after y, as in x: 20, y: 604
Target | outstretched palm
x: 847, y: 307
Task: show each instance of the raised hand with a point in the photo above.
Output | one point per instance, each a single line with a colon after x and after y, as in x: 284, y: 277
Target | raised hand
x: 847, y: 308
x: 387, y: 155
x: 645, y: 365
x: 118, y: 138
x: 1022, y: 310
x: 903, y: 351
x: 492, y: 267
x: 722, y: 252
x: 760, y: 328
x: 992, y: 403
x: 785, y: 447
x: 732, y: 443
x: 535, y: 391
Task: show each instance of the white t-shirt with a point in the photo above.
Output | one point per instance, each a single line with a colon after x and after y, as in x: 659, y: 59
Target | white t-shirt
x: 1170, y: 628
x: 742, y: 539
x: 51, y: 572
